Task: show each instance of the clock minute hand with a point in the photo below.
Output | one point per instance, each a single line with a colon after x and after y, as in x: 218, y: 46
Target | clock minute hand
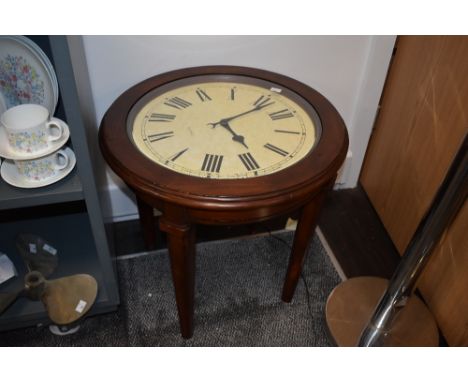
x: 229, y: 119
x: 239, y: 115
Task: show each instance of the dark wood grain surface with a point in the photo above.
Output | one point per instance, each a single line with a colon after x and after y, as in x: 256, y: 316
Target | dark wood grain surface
x: 357, y: 237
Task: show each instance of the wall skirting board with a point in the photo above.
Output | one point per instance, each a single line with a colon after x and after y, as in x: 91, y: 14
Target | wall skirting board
x: 122, y: 204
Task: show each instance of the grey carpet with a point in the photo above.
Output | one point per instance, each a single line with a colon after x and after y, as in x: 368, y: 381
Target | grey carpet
x: 237, y: 301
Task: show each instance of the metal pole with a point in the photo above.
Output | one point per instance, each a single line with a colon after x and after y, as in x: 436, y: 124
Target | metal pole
x: 448, y: 200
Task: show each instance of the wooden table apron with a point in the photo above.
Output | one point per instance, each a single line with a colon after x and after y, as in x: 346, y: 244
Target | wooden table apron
x: 185, y: 201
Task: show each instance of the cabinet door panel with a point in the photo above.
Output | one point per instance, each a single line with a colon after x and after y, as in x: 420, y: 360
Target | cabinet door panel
x: 423, y: 119
x: 444, y: 282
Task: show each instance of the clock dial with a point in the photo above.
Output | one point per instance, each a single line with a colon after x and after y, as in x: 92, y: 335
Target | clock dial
x: 228, y: 127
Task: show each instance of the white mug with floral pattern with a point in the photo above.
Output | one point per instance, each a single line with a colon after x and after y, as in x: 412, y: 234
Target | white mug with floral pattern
x: 43, y: 168
x: 29, y: 129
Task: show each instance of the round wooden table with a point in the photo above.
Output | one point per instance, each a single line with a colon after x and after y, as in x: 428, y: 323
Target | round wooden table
x: 185, y: 200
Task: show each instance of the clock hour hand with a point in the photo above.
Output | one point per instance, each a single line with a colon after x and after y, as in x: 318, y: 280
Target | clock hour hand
x: 235, y: 137
x: 226, y: 120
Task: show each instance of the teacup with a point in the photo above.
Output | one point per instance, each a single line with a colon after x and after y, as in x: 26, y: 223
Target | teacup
x: 29, y: 129
x: 44, y: 167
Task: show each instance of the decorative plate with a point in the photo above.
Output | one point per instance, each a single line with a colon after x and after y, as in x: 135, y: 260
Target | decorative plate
x: 26, y: 74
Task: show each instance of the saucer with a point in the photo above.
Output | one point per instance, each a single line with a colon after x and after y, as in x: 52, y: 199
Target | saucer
x: 7, y: 152
x: 9, y: 173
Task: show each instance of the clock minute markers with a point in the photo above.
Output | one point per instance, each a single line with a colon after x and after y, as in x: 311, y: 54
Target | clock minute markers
x: 212, y: 163
x: 158, y: 137
x: 281, y: 114
x: 177, y: 155
x: 248, y: 161
x: 275, y: 149
x: 202, y: 95
x: 157, y: 117
x: 288, y: 132
x: 263, y: 102
x: 177, y: 103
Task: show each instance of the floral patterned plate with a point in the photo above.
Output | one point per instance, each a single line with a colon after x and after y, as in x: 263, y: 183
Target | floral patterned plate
x: 9, y: 173
x: 26, y: 74
x: 7, y: 152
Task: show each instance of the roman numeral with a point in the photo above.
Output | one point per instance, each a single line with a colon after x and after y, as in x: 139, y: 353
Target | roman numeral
x: 203, y: 96
x: 263, y: 102
x: 177, y: 103
x: 160, y: 136
x: 275, y: 149
x: 249, y: 161
x: 287, y: 132
x: 155, y: 117
x: 233, y: 93
x: 177, y: 155
x: 281, y: 114
x: 212, y: 163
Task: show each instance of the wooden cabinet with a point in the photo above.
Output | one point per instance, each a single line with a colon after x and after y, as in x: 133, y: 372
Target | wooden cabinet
x: 422, y: 121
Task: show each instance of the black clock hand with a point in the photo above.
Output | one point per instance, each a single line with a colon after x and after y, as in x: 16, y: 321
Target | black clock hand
x: 235, y: 137
x: 226, y: 120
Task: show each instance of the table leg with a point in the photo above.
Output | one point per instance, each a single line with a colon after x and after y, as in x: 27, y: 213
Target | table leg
x: 304, y: 232
x: 181, y: 246
x: 148, y: 224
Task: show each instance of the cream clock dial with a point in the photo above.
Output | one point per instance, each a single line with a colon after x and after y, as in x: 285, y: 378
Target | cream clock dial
x: 235, y: 127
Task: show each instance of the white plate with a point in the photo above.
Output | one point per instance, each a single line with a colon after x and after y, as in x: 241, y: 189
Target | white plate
x: 26, y: 74
x: 48, y: 65
x: 7, y: 152
x: 9, y: 173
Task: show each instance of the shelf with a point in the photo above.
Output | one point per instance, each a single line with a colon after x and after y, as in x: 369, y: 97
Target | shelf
x: 71, y: 235
x: 66, y: 190
x: 68, y: 213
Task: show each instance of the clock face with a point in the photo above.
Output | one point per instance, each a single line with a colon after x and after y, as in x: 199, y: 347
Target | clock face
x: 223, y: 127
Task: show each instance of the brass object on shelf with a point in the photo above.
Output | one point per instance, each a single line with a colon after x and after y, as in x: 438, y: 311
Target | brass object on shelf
x: 66, y: 299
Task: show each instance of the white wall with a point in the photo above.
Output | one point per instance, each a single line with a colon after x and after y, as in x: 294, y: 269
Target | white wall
x: 348, y: 70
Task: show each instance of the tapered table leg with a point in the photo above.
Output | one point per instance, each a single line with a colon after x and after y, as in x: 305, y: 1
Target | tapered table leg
x: 304, y: 232
x: 181, y: 246
x: 148, y: 224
